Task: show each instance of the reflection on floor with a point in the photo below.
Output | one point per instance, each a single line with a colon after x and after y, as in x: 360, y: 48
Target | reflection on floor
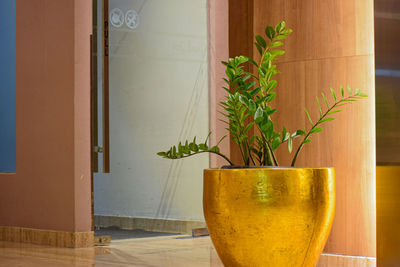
x: 153, y: 251
x: 117, y: 233
x: 168, y: 251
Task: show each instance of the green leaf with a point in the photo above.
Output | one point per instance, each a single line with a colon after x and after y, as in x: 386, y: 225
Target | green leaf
x: 277, y: 52
x: 259, y: 48
x: 241, y: 59
x: 203, y: 147
x: 226, y: 81
x: 270, y: 32
x: 316, y: 130
x: 326, y: 119
x: 252, y: 106
x: 325, y: 100
x: 286, y: 31
x: 248, y: 127
x: 308, y: 116
x: 215, y: 149
x: 285, y: 135
x: 220, y: 140
x: 358, y: 92
x: 280, y: 37
x: 208, y: 136
x: 226, y: 89
x: 280, y: 26
x: 261, y: 41
x: 194, y: 147
x: 262, y: 73
x: 272, y: 111
x: 275, y: 44
x: 342, y: 104
x: 179, y: 148
x: 271, y: 85
x: 298, y: 133
x: 259, y: 114
x: 349, y: 90
x: 253, y: 62
x: 333, y: 111
x: 306, y: 141
x: 275, y: 143
x: 245, y: 78
x: 319, y: 105
x: 268, y: 129
x: 342, y: 91
x: 333, y: 94
x: 269, y: 97
x: 244, y: 100
x: 250, y: 85
x: 255, y: 91
x: 290, y: 145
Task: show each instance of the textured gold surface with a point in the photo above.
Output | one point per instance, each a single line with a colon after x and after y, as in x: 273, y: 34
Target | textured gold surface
x: 388, y: 215
x: 269, y: 216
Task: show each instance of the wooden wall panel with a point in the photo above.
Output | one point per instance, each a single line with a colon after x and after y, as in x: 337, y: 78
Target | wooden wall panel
x: 240, y: 43
x: 332, y: 44
x: 346, y: 143
x: 321, y: 29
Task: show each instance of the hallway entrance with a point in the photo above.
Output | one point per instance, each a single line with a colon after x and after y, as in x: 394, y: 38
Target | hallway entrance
x: 150, y: 88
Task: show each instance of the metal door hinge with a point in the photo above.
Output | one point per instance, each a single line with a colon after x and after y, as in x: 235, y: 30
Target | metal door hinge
x: 98, y: 149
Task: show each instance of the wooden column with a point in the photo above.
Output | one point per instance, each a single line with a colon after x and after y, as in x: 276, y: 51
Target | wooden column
x: 332, y: 45
x: 240, y: 43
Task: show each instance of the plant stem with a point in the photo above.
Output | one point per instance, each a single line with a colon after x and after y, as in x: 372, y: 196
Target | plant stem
x: 269, y: 156
x: 209, y: 151
x: 259, y: 64
x: 309, y: 132
x: 250, y: 156
x: 245, y: 151
x: 272, y: 154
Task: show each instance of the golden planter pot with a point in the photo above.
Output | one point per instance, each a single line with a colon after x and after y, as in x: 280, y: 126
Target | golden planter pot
x: 269, y: 216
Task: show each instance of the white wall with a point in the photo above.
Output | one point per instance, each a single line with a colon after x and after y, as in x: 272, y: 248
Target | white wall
x: 158, y: 96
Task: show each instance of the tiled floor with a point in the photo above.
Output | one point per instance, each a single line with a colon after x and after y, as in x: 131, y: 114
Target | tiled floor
x: 166, y: 251
x: 160, y: 251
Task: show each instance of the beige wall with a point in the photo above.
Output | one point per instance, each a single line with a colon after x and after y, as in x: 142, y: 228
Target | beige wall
x: 51, y: 188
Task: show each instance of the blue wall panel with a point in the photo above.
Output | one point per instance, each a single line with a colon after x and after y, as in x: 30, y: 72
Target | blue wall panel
x: 7, y: 86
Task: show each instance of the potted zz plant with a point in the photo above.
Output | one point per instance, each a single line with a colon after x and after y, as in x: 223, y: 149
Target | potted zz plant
x: 260, y: 214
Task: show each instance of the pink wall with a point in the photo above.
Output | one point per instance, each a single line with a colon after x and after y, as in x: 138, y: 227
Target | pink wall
x: 51, y: 188
x: 218, y: 50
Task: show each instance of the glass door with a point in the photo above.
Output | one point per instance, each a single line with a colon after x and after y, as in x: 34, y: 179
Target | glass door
x: 152, y: 81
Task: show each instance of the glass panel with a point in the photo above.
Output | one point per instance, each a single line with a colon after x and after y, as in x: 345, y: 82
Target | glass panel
x: 7, y: 87
x: 387, y: 62
x: 158, y: 96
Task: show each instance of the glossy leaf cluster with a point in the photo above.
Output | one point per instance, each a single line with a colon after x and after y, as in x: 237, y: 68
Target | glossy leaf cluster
x: 248, y: 111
